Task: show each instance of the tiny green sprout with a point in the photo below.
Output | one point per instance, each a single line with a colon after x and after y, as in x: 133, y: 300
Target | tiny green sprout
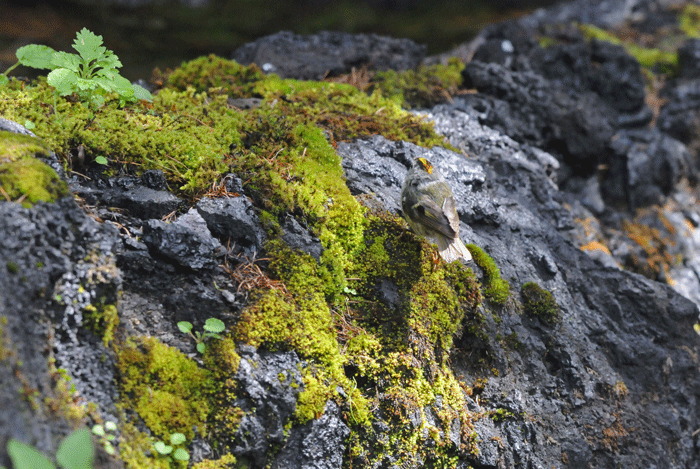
x: 92, y: 73
x: 106, y: 434
x: 212, y: 328
x: 75, y: 451
x: 101, y: 160
x: 178, y: 454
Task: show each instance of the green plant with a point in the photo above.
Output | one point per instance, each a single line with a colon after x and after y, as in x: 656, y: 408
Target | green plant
x: 106, y: 438
x: 539, y: 302
x: 177, y: 454
x: 92, y: 75
x: 497, y: 288
x: 212, y: 327
x: 75, y: 451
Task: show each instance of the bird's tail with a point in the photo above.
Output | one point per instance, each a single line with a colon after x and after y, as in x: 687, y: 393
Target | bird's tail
x: 453, y: 249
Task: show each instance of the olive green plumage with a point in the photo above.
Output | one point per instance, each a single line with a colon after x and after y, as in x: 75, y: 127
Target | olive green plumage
x: 429, y: 208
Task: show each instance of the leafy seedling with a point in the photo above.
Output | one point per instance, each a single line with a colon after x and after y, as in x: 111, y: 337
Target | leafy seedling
x: 75, y: 451
x: 212, y: 328
x: 92, y: 73
x: 106, y: 434
x: 170, y: 451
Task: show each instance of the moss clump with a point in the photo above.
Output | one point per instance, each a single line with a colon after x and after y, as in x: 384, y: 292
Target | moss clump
x: 689, y: 20
x: 214, y: 72
x: 168, y: 390
x: 650, y: 58
x: 540, y: 303
x: 497, y: 289
x: 103, y: 320
x: 423, y: 87
x: 23, y: 177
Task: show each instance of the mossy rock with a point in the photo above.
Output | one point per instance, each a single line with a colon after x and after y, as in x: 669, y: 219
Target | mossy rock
x: 540, y: 303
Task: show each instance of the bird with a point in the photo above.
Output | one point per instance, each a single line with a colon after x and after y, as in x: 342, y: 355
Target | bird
x: 429, y: 207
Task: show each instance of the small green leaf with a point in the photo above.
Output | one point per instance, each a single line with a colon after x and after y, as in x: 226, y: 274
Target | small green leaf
x: 65, y: 60
x: 162, y: 448
x: 201, y: 347
x: 101, y: 160
x: 36, y: 56
x: 109, y: 448
x: 26, y: 457
x: 142, y: 94
x: 4, y: 80
x: 98, y: 430
x: 63, y: 80
x: 109, y: 425
x: 76, y: 450
x: 89, y: 45
x: 29, y: 125
x: 181, y: 454
x: 214, y: 325
x: 177, y: 439
x: 185, y: 327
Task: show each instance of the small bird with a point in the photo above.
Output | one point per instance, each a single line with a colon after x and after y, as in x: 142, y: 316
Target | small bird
x: 429, y: 208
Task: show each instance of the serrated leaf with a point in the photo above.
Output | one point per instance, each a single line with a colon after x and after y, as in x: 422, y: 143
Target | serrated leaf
x: 76, y: 450
x: 181, y: 454
x: 214, y: 325
x: 26, y: 457
x: 63, y: 80
x: 177, y: 438
x: 83, y: 85
x: 162, y: 448
x: 36, y: 56
x: 141, y: 93
x: 89, y: 45
x: 109, y: 61
x: 62, y: 59
x: 185, y: 326
x: 201, y: 347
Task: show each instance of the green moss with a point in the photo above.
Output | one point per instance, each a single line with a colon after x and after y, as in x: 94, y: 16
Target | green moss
x: 650, y: 58
x: 103, y: 320
x: 423, y: 87
x: 23, y: 177
x: 226, y: 461
x: 12, y: 267
x: 540, y: 303
x: 497, y: 289
x: 168, y: 390
x: 689, y: 20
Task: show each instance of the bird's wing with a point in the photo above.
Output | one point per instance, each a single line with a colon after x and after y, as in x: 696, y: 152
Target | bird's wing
x: 432, y: 216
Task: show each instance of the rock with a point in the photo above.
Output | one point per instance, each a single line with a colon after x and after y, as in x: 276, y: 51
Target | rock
x: 47, y: 253
x: 689, y: 58
x: 233, y: 219
x: 318, y: 444
x: 187, y: 242
x: 298, y: 237
x: 267, y: 400
x: 328, y: 53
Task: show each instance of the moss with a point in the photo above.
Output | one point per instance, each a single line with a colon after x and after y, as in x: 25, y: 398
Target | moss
x: 103, y: 320
x: 30, y: 181
x: 12, y: 267
x: 168, y: 390
x: 497, y: 289
x: 224, y: 462
x: 423, y: 87
x: 540, y: 303
x: 650, y: 58
x: 689, y: 20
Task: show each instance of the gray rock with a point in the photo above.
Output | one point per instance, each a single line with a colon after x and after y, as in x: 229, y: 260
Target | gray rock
x: 187, y: 242
x: 328, y: 53
x: 267, y: 400
x: 233, y: 219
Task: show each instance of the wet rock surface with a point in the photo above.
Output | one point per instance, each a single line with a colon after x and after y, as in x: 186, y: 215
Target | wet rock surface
x: 328, y: 53
x: 561, y: 176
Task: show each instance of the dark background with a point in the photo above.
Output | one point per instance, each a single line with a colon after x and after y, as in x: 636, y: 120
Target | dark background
x: 148, y: 34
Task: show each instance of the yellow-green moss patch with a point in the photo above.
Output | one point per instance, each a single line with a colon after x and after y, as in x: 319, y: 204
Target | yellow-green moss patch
x: 167, y: 389
x: 497, y: 289
x: 540, y: 303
